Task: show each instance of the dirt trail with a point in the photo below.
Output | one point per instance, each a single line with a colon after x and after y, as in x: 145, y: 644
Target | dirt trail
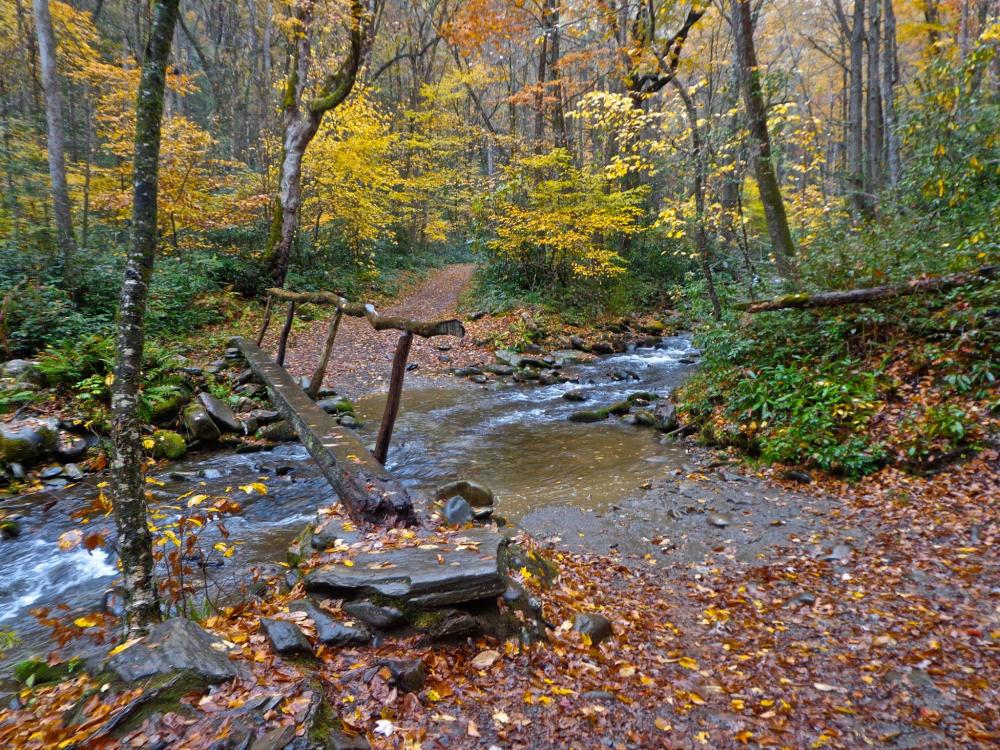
x: 362, y: 356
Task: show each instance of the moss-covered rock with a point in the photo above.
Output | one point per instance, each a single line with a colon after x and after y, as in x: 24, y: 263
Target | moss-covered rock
x: 300, y: 547
x: 25, y: 443
x: 168, y: 444
x: 33, y: 672
x: 589, y: 415
x: 168, y: 408
x: 620, y: 408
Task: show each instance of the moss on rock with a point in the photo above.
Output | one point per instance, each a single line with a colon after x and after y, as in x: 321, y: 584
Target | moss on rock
x: 168, y: 444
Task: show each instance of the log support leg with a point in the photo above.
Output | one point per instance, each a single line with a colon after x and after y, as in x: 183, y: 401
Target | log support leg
x: 267, y: 320
x: 395, y: 395
x: 283, y: 341
x: 316, y: 381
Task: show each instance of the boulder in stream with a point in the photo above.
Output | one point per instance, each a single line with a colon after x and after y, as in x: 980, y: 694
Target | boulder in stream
x: 457, y: 511
x: 477, y: 495
x: 220, y: 412
x: 591, y: 415
x: 168, y: 444
x: 199, y: 424
x: 665, y: 414
x: 28, y: 441
x: 279, y: 432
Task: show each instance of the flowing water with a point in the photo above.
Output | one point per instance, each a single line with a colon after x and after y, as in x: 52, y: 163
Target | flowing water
x: 515, y: 439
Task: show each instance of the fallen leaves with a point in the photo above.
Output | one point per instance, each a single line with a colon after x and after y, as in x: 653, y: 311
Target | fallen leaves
x: 485, y: 659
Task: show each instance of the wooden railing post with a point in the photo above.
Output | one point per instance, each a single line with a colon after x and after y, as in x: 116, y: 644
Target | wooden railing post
x: 395, y: 394
x: 283, y: 341
x: 316, y: 381
x: 267, y: 319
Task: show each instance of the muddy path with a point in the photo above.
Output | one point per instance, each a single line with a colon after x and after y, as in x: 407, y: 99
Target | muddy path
x: 362, y: 356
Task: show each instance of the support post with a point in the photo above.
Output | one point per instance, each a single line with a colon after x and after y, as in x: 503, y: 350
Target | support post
x: 267, y: 320
x: 395, y: 394
x: 316, y: 381
x: 369, y: 493
x: 283, y: 341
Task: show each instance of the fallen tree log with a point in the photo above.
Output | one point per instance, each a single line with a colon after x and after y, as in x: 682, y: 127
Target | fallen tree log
x: 929, y: 285
x: 370, y: 494
x: 422, y: 328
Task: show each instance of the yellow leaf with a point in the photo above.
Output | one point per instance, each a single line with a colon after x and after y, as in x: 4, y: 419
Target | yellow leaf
x: 197, y: 500
x: 687, y: 662
x: 696, y: 699
x: 662, y: 724
x: 85, y: 622
x: 258, y: 487
x: 122, y: 646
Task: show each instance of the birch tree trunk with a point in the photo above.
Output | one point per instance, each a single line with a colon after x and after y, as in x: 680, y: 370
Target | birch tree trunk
x: 767, y: 179
x: 135, y: 550
x: 302, y: 120
x: 56, y: 137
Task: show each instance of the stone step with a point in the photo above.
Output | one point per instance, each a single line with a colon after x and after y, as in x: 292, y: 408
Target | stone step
x: 470, y: 571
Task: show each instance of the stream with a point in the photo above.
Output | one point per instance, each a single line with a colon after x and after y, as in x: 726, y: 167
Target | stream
x: 515, y: 439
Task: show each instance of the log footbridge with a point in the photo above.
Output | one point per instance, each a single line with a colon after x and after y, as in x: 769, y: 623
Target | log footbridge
x: 370, y: 494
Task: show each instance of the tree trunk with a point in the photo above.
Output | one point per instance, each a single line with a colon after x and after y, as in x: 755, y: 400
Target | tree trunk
x: 930, y: 285
x: 873, y: 162
x: 890, y: 77
x: 302, y: 120
x: 698, y: 190
x: 56, y: 138
x: 558, y: 115
x: 855, y: 104
x: 543, y: 58
x: 135, y: 550
x: 767, y: 180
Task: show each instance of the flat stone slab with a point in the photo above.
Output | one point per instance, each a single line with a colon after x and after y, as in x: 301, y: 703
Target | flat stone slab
x: 470, y: 571
x: 174, y: 646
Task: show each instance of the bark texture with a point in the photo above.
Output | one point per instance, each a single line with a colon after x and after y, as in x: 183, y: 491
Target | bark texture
x: 127, y: 490
x: 302, y: 120
x: 56, y: 136
x: 767, y: 179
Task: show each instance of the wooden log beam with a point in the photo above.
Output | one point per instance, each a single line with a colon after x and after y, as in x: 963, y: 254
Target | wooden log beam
x: 370, y: 494
x: 283, y: 340
x: 316, y: 381
x: 424, y: 329
x: 932, y: 285
x: 267, y: 320
x: 394, y: 397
